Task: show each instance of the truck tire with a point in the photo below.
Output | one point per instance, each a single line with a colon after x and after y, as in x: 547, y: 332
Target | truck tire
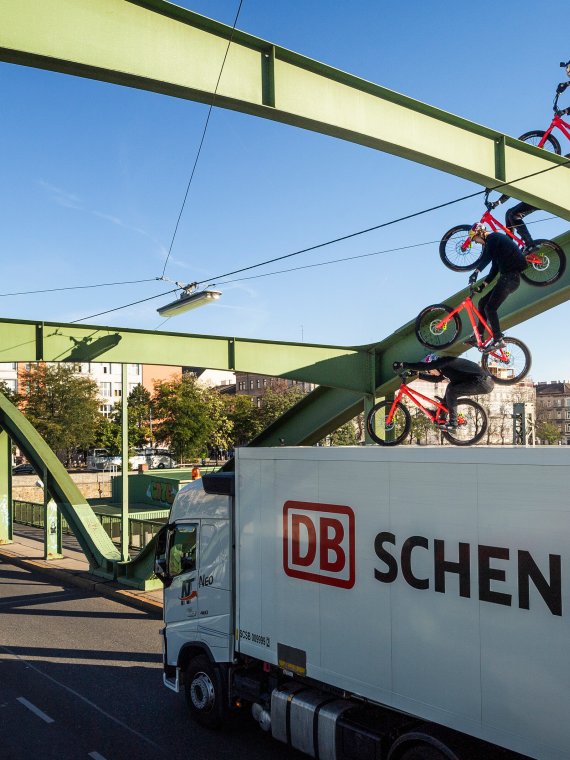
x: 205, y: 692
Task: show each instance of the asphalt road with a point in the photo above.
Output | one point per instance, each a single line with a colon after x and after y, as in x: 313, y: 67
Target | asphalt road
x: 81, y: 677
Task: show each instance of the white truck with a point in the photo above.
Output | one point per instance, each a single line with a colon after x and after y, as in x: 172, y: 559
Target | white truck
x: 377, y: 604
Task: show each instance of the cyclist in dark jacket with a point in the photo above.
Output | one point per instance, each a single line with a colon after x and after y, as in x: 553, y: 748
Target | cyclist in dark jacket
x: 508, y: 262
x: 465, y: 379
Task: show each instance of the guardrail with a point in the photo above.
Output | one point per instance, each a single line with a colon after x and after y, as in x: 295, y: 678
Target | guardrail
x: 141, y: 532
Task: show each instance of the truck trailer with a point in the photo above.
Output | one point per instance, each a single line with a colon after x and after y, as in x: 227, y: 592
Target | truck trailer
x: 376, y: 604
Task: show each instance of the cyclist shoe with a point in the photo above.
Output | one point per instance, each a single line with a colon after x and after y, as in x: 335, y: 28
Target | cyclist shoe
x: 494, y: 345
x: 451, y: 425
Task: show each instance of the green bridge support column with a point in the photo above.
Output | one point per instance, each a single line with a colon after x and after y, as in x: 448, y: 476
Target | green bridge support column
x: 6, y: 506
x: 124, y: 465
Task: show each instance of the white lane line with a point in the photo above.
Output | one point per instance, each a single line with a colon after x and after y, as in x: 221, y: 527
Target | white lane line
x: 35, y: 710
x: 97, y: 756
x: 80, y: 696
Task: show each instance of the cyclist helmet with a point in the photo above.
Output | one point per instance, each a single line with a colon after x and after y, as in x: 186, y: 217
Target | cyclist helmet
x: 477, y: 229
x: 430, y: 358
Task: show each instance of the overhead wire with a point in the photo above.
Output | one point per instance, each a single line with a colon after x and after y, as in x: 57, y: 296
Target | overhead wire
x: 202, y: 138
x: 379, y: 226
x: 212, y: 280
x: 77, y: 287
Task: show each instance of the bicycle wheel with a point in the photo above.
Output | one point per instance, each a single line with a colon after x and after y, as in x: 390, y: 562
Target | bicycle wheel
x: 396, y: 431
x: 510, y: 364
x: 471, y: 423
x: 432, y: 336
x: 451, y: 253
x: 535, y: 136
x: 551, y: 266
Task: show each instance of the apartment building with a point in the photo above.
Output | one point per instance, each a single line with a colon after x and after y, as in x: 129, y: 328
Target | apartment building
x: 553, y: 405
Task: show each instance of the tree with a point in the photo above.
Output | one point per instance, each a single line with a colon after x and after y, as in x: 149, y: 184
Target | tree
x: 345, y: 435
x: 183, y: 414
x: 63, y: 408
x: 11, y: 395
x: 220, y: 438
x: 276, y: 400
x: 245, y: 418
x: 549, y: 432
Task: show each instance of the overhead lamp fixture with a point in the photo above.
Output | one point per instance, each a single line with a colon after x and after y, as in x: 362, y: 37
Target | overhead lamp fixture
x: 189, y: 299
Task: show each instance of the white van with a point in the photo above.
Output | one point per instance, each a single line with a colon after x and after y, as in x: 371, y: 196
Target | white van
x: 156, y: 459
x: 102, y: 459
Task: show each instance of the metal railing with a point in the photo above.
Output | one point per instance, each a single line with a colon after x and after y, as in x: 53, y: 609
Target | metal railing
x: 141, y: 532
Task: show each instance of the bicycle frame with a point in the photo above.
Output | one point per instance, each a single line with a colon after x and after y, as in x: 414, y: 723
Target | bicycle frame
x: 415, y: 396
x: 495, y: 225
x: 558, y: 122
x: 474, y: 315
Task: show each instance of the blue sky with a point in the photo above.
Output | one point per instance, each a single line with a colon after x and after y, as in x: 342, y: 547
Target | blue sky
x: 94, y: 176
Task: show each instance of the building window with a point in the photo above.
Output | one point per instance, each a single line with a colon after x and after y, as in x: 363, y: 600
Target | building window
x: 106, y: 369
x: 14, y: 365
x: 11, y: 384
x: 118, y: 392
x: 258, y: 383
x: 251, y: 384
x: 105, y: 409
x: 136, y: 369
x: 259, y: 401
x: 265, y: 384
x: 105, y: 389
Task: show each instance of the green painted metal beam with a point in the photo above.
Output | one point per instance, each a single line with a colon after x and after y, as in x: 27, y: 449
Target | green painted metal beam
x: 95, y: 543
x: 323, y: 410
x: 154, y: 45
x: 27, y: 341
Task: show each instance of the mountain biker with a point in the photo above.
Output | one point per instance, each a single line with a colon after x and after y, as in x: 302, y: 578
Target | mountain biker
x: 465, y: 379
x: 514, y: 216
x: 508, y: 262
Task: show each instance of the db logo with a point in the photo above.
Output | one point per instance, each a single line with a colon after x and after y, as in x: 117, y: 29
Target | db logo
x: 318, y: 543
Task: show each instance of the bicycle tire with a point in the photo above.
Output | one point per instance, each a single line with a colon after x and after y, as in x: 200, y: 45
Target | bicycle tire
x: 397, y: 431
x: 508, y: 366
x: 535, y: 136
x: 473, y: 424
x: 425, y: 326
x: 554, y: 265
x: 450, y: 250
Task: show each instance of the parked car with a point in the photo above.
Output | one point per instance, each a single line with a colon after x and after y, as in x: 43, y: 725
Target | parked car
x: 23, y: 469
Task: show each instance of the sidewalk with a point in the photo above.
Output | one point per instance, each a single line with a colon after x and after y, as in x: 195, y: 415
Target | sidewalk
x: 73, y: 570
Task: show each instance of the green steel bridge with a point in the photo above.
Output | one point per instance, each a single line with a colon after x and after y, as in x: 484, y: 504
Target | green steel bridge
x: 153, y: 45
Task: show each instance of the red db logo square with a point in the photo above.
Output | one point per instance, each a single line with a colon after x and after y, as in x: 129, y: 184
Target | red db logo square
x: 318, y: 543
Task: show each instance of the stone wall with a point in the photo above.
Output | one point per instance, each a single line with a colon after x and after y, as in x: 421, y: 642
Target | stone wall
x: 93, y: 485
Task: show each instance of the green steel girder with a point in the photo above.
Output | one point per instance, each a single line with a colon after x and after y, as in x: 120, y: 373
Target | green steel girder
x: 95, y: 543
x: 154, y: 45
x: 28, y: 341
x: 323, y: 410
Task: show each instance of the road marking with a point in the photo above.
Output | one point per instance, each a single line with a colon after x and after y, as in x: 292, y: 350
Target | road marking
x: 29, y: 664
x: 35, y: 710
x: 97, y: 756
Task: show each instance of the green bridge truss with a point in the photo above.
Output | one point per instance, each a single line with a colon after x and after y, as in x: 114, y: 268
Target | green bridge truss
x: 153, y: 45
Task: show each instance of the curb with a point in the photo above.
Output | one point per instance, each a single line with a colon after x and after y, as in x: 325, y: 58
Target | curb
x: 86, y: 581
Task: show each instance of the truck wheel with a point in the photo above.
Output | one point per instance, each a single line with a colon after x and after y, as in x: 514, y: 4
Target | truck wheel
x: 205, y: 692
x: 423, y: 752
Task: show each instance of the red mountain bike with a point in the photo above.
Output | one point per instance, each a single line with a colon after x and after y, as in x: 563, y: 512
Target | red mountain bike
x: 438, y: 326
x: 546, y: 139
x: 389, y: 422
x: 546, y: 264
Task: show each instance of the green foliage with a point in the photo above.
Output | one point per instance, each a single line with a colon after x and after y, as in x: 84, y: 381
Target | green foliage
x: 185, y: 422
x: 11, y: 395
x: 63, y: 408
x: 549, y: 432
x: 244, y: 416
x: 276, y: 401
x: 345, y: 435
x: 420, y: 426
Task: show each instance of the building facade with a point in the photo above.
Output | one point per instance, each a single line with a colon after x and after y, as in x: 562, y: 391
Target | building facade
x: 553, y: 406
x: 249, y: 384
